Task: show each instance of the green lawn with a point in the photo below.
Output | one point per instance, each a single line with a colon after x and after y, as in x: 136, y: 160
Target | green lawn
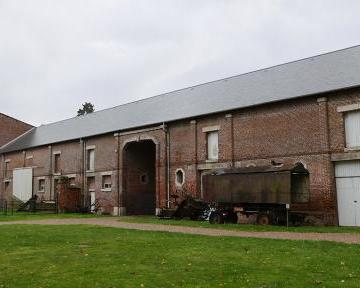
x: 239, y: 227
x: 89, y: 256
x: 37, y: 216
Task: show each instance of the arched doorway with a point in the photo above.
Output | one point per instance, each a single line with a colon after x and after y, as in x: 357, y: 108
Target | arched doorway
x: 139, y: 177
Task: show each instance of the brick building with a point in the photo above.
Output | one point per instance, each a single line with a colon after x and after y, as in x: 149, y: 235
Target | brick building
x: 10, y: 128
x: 130, y: 158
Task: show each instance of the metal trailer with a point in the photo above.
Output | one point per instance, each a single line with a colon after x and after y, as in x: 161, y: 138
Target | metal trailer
x: 263, y: 194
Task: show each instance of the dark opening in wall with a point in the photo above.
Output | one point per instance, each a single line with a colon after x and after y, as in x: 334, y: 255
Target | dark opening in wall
x: 144, y: 178
x: 179, y: 177
x: 140, y: 174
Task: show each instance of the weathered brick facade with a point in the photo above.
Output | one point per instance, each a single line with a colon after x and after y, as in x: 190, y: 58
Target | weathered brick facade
x: 11, y: 128
x: 308, y: 130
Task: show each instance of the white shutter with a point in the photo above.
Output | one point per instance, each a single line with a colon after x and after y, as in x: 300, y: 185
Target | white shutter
x: 352, y: 129
x: 23, y: 183
x: 213, y: 145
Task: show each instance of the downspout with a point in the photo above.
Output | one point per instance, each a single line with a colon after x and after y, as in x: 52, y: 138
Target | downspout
x: 83, y: 172
x: 81, y: 169
x: 118, y: 171
x: 2, y: 184
x: 167, y: 140
x: 51, y: 178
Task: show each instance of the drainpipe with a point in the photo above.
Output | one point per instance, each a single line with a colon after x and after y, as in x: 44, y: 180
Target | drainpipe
x: 50, y: 171
x: 167, y: 140
x: 83, y: 170
x: 81, y: 143
x: 117, y: 153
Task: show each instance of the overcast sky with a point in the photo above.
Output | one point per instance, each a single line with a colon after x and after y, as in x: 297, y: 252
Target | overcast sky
x: 55, y: 55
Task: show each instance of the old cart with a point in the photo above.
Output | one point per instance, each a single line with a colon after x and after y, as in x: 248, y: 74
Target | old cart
x: 256, y: 194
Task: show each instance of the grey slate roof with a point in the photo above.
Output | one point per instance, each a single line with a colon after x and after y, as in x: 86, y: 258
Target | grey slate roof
x: 318, y: 74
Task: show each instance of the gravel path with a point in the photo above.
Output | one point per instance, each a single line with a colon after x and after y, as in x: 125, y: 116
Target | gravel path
x: 350, y: 238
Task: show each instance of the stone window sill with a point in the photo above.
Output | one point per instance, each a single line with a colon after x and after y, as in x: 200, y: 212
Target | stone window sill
x: 106, y: 190
x: 211, y: 160
x: 351, y: 149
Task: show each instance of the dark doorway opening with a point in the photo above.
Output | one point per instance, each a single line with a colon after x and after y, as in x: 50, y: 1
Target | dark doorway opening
x: 139, y: 177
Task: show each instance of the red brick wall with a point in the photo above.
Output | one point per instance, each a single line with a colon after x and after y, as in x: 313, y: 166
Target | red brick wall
x: 11, y: 128
x: 306, y: 130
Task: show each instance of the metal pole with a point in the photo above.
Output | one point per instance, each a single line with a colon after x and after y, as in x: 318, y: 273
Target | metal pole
x: 287, y: 214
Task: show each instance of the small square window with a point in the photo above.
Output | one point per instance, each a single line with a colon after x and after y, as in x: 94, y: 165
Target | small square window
x: 106, y: 182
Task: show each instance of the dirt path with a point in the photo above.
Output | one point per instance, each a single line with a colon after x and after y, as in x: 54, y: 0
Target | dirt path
x: 349, y: 238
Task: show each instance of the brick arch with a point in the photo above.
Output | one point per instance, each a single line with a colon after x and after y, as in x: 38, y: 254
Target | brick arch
x: 138, y: 139
x: 133, y: 193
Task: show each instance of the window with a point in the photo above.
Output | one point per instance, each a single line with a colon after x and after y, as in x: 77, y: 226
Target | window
x: 6, y: 169
x: 57, y: 163
x: 41, y: 185
x: 72, y: 181
x: 90, y: 159
x: 106, y: 182
x: 352, y: 129
x: 91, y: 183
x: 212, y: 145
x: 179, y: 177
x: 29, y: 161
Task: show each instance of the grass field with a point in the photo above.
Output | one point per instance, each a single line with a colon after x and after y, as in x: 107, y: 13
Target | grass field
x: 37, y: 216
x: 88, y: 256
x: 238, y: 227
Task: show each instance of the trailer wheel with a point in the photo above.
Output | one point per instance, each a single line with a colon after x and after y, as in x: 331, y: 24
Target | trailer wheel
x: 264, y: 219
x: 216, y: 218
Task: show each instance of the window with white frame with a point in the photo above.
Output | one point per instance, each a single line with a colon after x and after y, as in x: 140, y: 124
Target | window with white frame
x: 106, y: 182
x: 212, y: 145
x: 90, y: 159
x: 352, y: 129
x: 179, y: 177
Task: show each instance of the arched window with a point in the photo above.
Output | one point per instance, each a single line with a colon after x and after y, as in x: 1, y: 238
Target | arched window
x: 179, y: 177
